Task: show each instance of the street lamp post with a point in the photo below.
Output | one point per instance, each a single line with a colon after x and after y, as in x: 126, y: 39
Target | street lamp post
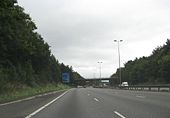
x: 100, y: 67
x: 118, y: 42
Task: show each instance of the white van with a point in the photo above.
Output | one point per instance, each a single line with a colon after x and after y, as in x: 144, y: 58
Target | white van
x: 124, y: 84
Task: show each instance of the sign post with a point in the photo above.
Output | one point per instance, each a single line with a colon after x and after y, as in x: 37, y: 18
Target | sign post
x: 65, y: 77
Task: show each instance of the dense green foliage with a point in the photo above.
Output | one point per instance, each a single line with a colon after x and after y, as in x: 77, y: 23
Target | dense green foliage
x: 28, y: 91
x: 154, y: 69
x: 25, y: 59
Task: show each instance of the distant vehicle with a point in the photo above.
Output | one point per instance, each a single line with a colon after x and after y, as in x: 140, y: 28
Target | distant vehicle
x: 79, y: 86
x: 124, y: 84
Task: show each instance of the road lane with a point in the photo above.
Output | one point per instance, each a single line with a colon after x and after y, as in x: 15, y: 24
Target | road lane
x: 23, y: 108
x: 75, y: 104
x: 108, y: 103
x: 95, y: 103
x: 46, y: 105
x: 154, y: 105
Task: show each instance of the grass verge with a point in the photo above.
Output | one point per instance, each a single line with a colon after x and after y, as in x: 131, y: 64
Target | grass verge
x: 30, y: 91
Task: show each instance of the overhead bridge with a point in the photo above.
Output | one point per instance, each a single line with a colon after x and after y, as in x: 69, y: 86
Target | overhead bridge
x: 94, y: 81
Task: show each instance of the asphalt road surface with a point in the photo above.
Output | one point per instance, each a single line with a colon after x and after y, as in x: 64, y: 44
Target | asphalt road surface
x: 92, y: 103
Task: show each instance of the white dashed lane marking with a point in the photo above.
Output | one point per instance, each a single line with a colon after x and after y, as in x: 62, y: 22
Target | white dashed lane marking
x: 140, y: 96
x: 96, y: 99
x: 120, y: 115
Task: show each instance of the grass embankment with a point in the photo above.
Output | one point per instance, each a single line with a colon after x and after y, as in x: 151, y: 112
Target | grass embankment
x: 26, y: 91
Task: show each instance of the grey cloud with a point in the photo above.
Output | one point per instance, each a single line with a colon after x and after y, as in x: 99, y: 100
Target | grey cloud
x: 81, y: 32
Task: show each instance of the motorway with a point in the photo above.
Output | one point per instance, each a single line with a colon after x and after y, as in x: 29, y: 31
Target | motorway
x: 92, y: 103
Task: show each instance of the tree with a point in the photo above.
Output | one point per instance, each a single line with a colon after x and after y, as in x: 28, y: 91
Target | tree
x: 25, y: 58
x: 153, y: 69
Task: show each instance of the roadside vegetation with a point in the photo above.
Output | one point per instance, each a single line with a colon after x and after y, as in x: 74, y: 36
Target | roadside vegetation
x: 27, y: 66
x: 154, y: 69
x: 27, y: 91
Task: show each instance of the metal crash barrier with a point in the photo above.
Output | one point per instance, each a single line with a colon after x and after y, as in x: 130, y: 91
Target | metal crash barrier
x: 158, y: 88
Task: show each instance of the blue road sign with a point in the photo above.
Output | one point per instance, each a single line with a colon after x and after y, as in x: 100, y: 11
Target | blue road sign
x: 66, y: 77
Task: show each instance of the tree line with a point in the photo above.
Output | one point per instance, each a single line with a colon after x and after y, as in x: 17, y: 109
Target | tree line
x: 154, y: 69
x: 25, y: 58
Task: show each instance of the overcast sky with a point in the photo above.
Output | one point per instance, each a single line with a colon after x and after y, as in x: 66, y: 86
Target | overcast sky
x: 82, y: 32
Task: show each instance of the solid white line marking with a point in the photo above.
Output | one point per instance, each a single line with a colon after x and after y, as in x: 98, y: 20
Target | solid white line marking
x: 29, y: 98
x: 120, y: 115
x: 139, y: 96
x: 18, y: 101
x: 43, y: 107
x: 96, y: 99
